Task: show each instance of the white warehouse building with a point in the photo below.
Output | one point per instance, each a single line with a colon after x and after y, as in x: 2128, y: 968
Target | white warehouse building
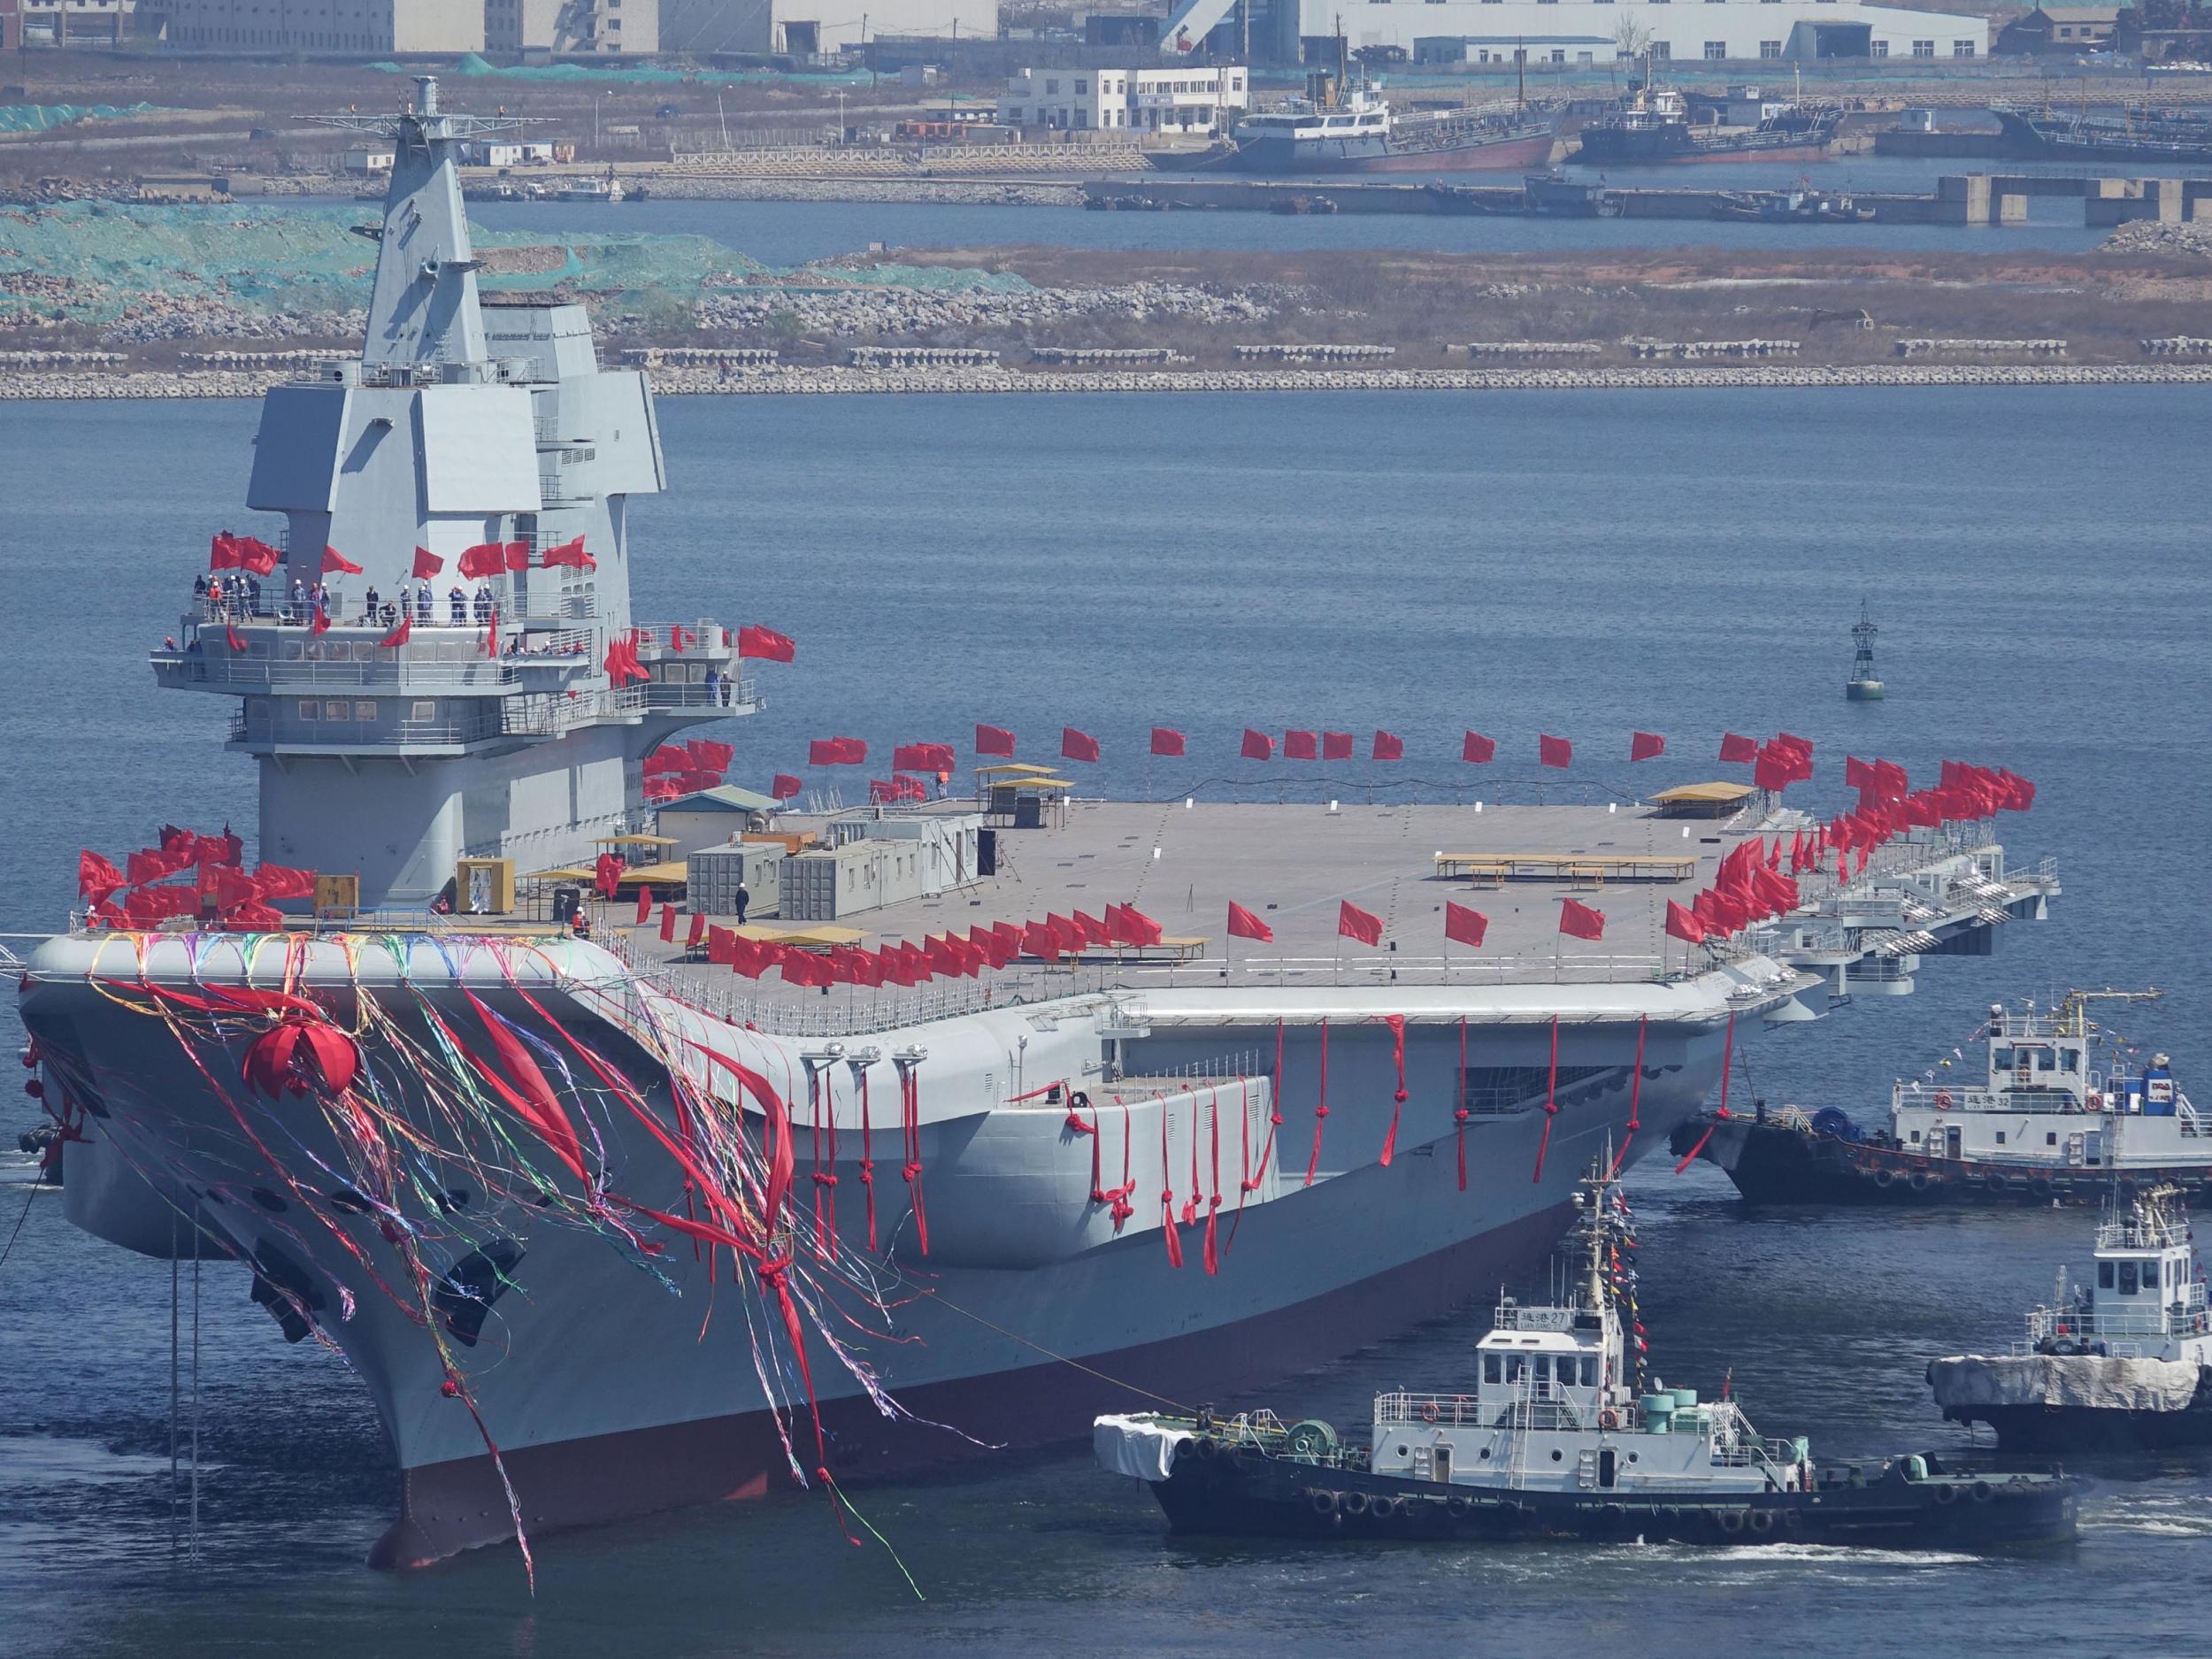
x: 1183, y: 99
x: 1590, y: 33
x: 1587, y: 34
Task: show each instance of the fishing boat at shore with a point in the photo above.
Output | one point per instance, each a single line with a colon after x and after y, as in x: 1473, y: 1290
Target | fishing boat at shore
x: 2047, y: 1124
x: 619, y: 1194
x: 1803, y: 205
x: 1347, y: 125
x: 1558, y: 1434
x: 2121, y: 1364
x: 1651, y: 124
x: 2137, y: 134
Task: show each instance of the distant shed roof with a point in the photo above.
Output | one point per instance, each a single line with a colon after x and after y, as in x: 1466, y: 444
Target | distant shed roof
x: 1702, y: 800
x: 726, y: 797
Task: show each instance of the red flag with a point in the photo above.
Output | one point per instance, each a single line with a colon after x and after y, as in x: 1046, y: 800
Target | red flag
x: 491, y: 632
x: 1257, y: 746
x: 1463, y: 925
x: 1300, y: 745
x: 486, y: 559
x: 994, y: 740
x: 222, y: 551
x: 570, y: 553
x: 1354, y: 923
x: 321, y: 623
x: 1166, y: 741
x: 398, y: 636
x: 1478, y: 748
x: 256, y: 557
x: 921, y: 758
x: 698, y: 930
x: 1076, y: 745
x: 786, y: 786
x: 766, y: 643
x: 837, y: 751
x: 1771, y: 773
x: 1389, y: 746
x: 1646, y: 745
x: 1580, y: 921
x: 644, y: 902
x: 281, y: 881
x: 1857, y: 774
x: 96, y: 878
x: 1244, y: 925
x: 1739, y: 750
x: 1553, y: 751
x: 1336, y: 746
x: 1685, y: 925
x: 1132, y: 927
x: 1039, y: 941
x: 334, y: 561
x: 515, y: 556
x: 668, y: 924
x: 426, y: 565
x: 234, y: 640
x: 1094, y: 931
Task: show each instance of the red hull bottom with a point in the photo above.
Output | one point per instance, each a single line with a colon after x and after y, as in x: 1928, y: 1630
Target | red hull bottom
x: 450, y: 1507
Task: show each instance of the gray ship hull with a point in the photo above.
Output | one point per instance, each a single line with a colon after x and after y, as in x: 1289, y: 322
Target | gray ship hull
x: 613, y: 1392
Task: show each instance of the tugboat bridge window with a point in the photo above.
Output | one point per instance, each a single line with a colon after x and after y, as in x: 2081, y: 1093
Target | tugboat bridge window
x: 2127, y: 1278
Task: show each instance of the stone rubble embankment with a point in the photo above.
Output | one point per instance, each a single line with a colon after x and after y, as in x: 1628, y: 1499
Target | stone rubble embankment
x: 819, y: 381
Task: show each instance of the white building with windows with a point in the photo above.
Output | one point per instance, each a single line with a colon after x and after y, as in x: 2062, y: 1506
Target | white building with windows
x: 1177, y: 99
x: 1589, y: 34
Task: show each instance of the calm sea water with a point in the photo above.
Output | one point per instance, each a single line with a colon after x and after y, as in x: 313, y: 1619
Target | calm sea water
x: 1583, y: 563
x: 789, y: 232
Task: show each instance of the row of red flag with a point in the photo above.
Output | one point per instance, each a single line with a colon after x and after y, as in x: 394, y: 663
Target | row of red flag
x: 1462, y: 924
x: 679, y: 769
x: 218, y: 879
x: 1783, y: 759
x: 948, y: 955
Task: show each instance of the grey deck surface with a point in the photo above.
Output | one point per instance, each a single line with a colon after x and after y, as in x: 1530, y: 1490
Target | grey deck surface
x: 1293, y: 864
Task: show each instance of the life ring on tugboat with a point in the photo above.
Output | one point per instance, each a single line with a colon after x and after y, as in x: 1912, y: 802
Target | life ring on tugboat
x: 2093, y: 1102
x: 1943, y: 1101
x: 1429, y: 1413
x: 1609, y: 1418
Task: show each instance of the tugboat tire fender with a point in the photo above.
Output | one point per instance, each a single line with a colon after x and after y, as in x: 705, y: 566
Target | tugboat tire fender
x: 1459, y: 1509
x: 1323, y: 1502
x: 1383, y: 1508
x: 1206, y: 1449
x: 1885, y: 1178
x: 1760, y: 1521
x: 1922, y: 1180
x: 1983, y: 1491
x: 1353, y: 1502
x: 1947, y: 1495
x: 1728, y: 1520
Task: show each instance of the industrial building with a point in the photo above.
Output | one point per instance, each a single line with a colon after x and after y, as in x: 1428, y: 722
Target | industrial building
x: 326, y: 25
x: 1579, y: 32
x: 1181, y: 99
x: 800, y: 28
x: 573, y: 28
x: 66, y: 22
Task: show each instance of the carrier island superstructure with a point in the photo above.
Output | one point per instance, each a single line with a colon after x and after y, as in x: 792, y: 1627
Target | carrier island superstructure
x: 513, y: 1173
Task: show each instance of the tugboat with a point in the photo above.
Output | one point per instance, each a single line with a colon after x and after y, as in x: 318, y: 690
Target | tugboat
x: 1864, y: 685
x: 1561, y: 1437
x: 2123, y: 1365
x: 2047, y: 1127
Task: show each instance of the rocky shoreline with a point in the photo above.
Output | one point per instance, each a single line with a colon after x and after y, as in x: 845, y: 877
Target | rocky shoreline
x: 779, y: 381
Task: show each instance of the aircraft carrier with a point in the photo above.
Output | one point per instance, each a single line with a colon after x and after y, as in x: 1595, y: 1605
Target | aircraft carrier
x: 605, y: 1225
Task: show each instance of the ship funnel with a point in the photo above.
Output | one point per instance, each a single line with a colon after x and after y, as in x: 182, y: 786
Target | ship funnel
x: 425, y: 94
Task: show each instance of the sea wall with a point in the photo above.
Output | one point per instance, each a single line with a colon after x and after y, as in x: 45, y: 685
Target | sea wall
x: 818, y: 381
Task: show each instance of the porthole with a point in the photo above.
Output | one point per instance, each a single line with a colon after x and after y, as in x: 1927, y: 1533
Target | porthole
x: 1555, y: 1456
